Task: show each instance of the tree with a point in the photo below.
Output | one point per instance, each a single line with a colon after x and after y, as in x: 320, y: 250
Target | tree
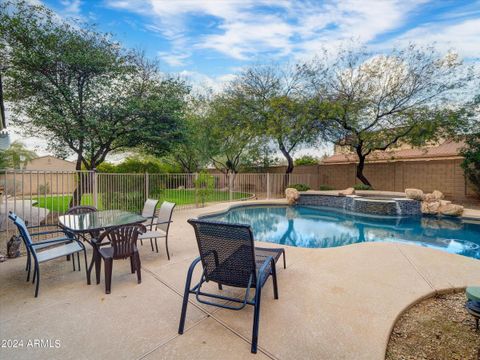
x: 193, y: 152
x: 229, y: 135
x: 83, y: 91
x: 374, y: 102
x: 16, y: 156
x: 274, y: 102
x: 471, y: 161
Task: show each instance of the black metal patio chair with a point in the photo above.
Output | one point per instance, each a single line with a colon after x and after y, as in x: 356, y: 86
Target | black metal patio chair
x: 47, y: 250
x: 229, y: 257
x: 123, y: 241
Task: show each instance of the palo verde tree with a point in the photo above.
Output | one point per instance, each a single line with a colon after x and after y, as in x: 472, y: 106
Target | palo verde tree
x: 273, y: 101
x: 82, y: 90
x: 372, y: 102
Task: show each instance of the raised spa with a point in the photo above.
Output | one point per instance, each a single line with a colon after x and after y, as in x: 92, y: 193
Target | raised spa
x: 321, y: 227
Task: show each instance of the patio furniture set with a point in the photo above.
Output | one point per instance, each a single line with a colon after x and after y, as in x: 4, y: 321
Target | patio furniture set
x: 228, y: 254
x: 112, y: 234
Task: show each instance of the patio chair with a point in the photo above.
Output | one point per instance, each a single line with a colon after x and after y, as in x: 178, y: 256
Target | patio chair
x: 123, y: 241
x: 148, y: 212
x: 77, y: 210
x: 229, y: 257
x: 159, y: 226
x: 42, y: 244
x: 47, y: 250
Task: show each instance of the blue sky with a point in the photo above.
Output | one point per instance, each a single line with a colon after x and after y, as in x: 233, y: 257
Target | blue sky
x: 211, y: 40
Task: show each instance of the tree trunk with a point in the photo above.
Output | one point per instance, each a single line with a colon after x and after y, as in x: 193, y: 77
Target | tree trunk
x: 286, y: 180
x: 80, y: 188
x: 360, y: 167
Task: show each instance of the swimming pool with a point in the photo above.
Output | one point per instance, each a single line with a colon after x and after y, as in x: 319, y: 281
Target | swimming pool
x: 316, y: 227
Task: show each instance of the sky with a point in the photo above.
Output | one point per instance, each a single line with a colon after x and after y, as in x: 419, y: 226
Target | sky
x: 209, y: 41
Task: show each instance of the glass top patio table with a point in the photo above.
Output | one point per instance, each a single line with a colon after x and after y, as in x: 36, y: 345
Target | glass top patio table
x: 99, y: 220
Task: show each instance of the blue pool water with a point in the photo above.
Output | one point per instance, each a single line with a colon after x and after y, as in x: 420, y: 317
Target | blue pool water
x: 313, y: 227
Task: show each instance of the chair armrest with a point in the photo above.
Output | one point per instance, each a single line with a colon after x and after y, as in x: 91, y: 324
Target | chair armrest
x: 269, y: 261
x: 61, y: 240
x: 162, y: 222
x: 47, y: 232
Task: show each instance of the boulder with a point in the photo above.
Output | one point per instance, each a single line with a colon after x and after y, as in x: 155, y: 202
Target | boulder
x: 451, y: 210
x: 415, y: 194
x: 438, y: 195
x: 429, y: 198
x: 292, y: 195
x: 349, y: 191
x: 444, y: 202
x: 430, y: 207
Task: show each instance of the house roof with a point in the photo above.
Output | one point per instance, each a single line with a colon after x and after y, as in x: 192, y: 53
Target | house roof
x: 448, y: 149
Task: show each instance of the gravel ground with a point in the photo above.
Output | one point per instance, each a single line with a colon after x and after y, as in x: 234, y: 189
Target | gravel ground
x: 434, y: 329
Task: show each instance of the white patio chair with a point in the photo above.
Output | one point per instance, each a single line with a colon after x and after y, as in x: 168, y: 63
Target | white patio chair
x: 160, y: 226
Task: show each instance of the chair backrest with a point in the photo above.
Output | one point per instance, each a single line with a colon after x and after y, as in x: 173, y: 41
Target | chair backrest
x: 123, y: 239
x: 22, y: 229
x: 165, y: 215
x: 227, y: 252
x: 149, y: 208
x: 81, y: 209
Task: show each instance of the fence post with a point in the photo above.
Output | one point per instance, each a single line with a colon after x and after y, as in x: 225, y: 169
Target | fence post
x: 268, y: 186
x: 230, y: 186
x: 146, y: 185
x: 95, y: 188
x: 195, y: 178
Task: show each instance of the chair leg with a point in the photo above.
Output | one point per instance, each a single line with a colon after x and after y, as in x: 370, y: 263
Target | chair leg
x: 86, y: 266
x: 284, y: 261
x: 29, y: 266
x: 37, y: 272
x: 108, y: 275
x: 166, y: 247
x: 98, y: 266
x: 156, y: 245
x: 220, y: 287
x: 138, y: 267
x: 274, y: 278
x: 132, y: 264
x: 256, y: 319
x: 151, y: 243
x: 34, y: 274
x: 186, y: 293
x: 73, y: 261
x: 78, y: 258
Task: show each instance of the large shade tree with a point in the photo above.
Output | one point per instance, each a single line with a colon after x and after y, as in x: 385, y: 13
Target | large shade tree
x: 371, y: 102
x: 82, y: 91
x: 274, y: 102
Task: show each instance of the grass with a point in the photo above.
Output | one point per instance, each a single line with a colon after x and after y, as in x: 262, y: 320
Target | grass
x: 59, y: 203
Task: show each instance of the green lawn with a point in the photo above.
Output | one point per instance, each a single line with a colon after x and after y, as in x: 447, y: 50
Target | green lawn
x: 59, y: 203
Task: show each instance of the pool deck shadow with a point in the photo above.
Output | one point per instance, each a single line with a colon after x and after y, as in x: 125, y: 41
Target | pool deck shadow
x: 335, y: 303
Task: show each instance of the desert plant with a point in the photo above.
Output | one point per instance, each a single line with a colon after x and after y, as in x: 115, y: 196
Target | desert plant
x: 44, y: 188
x: 362, y: 187
x: 204, y: 185
x: 300, y: 187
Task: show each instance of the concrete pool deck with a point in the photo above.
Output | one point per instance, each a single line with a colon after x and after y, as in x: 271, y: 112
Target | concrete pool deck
x: 335, y: 303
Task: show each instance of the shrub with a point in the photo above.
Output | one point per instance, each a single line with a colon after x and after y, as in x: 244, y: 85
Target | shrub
x: 300, y: 187
x: 471, y: 161
x: 362, y: 187
x: 44, y: 188
x: 306, y: 160
x: 325, y: 187
x: 204, y: 185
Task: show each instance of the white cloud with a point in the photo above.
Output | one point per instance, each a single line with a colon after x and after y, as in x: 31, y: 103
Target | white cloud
x: 463, y: 37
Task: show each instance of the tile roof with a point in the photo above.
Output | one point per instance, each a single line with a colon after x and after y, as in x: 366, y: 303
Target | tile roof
x: 445, y: 150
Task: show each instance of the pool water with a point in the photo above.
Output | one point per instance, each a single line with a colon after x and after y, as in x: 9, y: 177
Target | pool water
x: 315, y: 227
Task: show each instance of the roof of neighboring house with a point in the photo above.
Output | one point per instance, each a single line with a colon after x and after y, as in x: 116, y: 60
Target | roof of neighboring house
x: 448, y: 149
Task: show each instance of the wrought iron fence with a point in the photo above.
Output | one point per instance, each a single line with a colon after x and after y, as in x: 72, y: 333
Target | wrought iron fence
x: 41, y: 196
